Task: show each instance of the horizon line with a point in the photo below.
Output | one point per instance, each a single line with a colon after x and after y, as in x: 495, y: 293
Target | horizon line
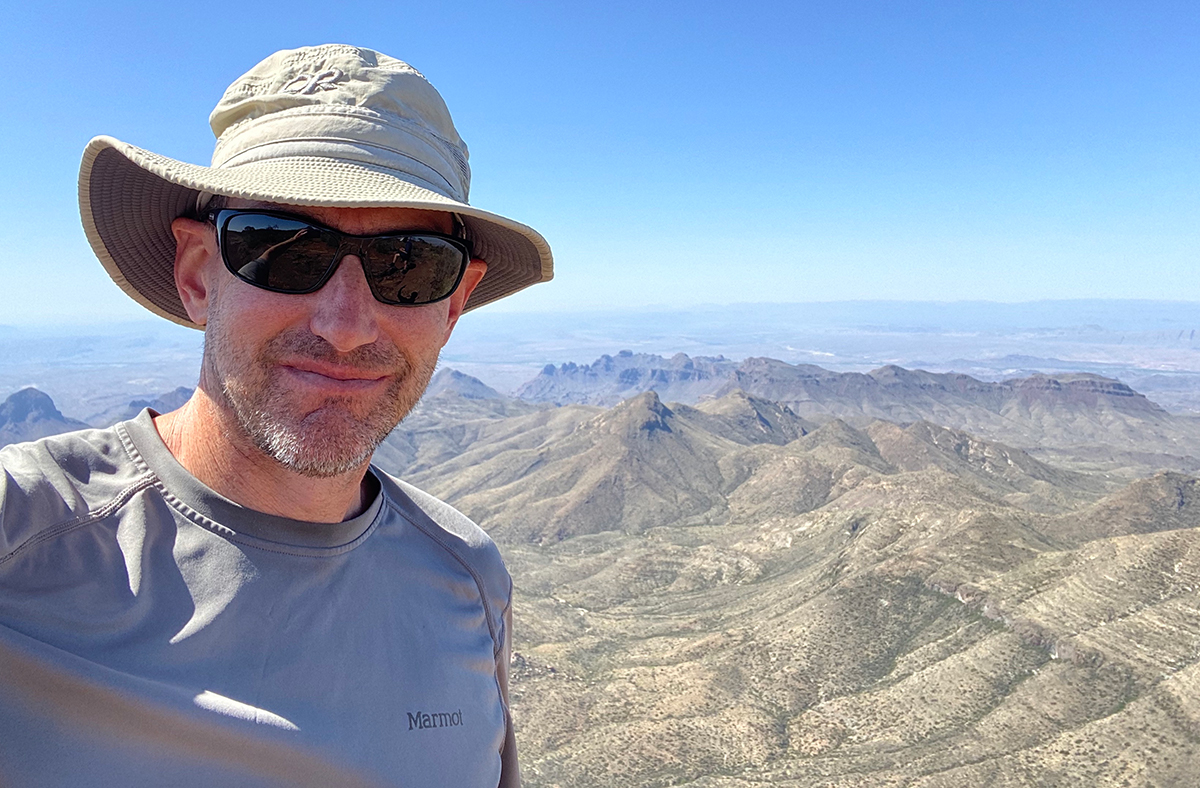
x: 74, y: 320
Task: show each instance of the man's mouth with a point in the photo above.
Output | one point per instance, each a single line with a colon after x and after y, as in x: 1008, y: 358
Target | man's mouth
x: 332, y: 375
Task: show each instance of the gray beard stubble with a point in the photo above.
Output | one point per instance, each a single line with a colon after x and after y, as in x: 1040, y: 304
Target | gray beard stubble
x: 304, y: 443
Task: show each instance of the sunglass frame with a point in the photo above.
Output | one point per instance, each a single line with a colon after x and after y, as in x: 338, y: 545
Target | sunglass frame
x: 221, y: 217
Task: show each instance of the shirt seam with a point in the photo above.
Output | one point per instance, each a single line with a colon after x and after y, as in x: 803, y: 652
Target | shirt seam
x: 504, y: 614
x: 94, y: 515
x: 131, y: 449
x: 497, y: 645
x: 279, y: 548
x: 224, y: 531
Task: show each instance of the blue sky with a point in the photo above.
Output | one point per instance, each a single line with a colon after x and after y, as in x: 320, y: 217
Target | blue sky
x: 686, y: 153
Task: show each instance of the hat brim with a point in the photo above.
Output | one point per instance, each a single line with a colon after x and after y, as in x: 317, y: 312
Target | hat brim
x: 128, y: 198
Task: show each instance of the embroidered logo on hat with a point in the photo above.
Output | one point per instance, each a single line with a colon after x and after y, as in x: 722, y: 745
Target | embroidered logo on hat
x: 308, y: 84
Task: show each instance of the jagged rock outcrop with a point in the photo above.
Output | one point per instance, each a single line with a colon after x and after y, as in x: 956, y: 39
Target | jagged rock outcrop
x: 612, y: 379
x: 1041, y: 411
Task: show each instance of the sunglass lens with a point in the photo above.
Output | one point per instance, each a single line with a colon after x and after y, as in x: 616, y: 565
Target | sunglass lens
x: 277, y: 253
x: 414, y: 269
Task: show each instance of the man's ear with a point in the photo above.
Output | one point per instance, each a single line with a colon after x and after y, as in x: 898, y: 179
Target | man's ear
x: 458, y: 299
x: 195, y: 247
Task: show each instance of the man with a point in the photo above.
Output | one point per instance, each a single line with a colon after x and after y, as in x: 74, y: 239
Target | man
x: 229, y: 594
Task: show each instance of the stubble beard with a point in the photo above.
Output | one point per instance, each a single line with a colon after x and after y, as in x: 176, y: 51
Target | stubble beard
x: 337, y: 436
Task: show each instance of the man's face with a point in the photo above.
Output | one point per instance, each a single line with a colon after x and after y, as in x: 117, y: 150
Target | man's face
x: 317, y: 381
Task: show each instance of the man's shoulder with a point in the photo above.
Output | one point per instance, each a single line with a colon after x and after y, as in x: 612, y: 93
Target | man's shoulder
x: 52, y: 480
x: 445, y: 516
x: 78, y: 459
x: 454, y: 532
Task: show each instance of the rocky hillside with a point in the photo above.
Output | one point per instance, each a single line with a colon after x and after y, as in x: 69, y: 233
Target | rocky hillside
x: 734, y: 595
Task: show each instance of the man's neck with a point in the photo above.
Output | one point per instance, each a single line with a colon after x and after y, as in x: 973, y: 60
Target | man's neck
x: 238, y: 470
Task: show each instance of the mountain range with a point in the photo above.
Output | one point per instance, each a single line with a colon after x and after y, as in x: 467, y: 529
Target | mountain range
x: 781, y: 575
x: 1076, y: 419
x: 1073, y: 412
x: 732, y: 594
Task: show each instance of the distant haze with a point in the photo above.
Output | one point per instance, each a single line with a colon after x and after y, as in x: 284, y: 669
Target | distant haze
x: 1153, y: 346
x: 1127, y: 339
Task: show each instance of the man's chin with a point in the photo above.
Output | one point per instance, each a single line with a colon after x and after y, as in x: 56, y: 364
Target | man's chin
x: 317, y: 466
x: 321, y: 449
x: 330, y: 440
x: 318, y: 435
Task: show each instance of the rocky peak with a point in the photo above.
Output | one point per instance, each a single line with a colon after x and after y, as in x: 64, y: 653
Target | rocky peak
x: 28, y: 406
x: 30, y: 414
x: 449, y: 380
x: 638, y: 417
x: 757, y: 420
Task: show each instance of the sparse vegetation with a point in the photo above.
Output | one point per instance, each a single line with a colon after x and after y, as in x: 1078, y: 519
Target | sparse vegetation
x: 728, y: 594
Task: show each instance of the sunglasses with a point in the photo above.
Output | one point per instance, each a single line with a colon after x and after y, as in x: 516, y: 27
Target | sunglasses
x: 289, y: 254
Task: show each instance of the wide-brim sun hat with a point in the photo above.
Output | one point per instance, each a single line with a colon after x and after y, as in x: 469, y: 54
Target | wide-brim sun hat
x: 330, y: 126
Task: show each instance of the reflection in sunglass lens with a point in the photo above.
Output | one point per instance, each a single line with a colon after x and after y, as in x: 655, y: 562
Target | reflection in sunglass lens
x: 278, y: 253
x: 291, y: 255
x: 414, y: 269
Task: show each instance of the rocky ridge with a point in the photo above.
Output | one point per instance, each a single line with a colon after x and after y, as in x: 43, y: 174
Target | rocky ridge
x: 162, y: 403
x: 1074, y: 413
x: 611, y: 379
x: 730, y: 594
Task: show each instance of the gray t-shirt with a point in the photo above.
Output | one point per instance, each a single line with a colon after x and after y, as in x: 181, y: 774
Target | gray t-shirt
x: 153, y: 632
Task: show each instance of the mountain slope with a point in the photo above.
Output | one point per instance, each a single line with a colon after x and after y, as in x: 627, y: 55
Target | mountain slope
x: 30, y: 414
x: 628, y: 468
x: 731, y: 595
x: 163, y: 403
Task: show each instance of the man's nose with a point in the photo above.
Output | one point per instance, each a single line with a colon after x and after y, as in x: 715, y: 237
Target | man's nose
x: 345, y: 315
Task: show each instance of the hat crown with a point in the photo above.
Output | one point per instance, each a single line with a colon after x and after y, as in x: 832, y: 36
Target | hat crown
x: 323, y: 88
